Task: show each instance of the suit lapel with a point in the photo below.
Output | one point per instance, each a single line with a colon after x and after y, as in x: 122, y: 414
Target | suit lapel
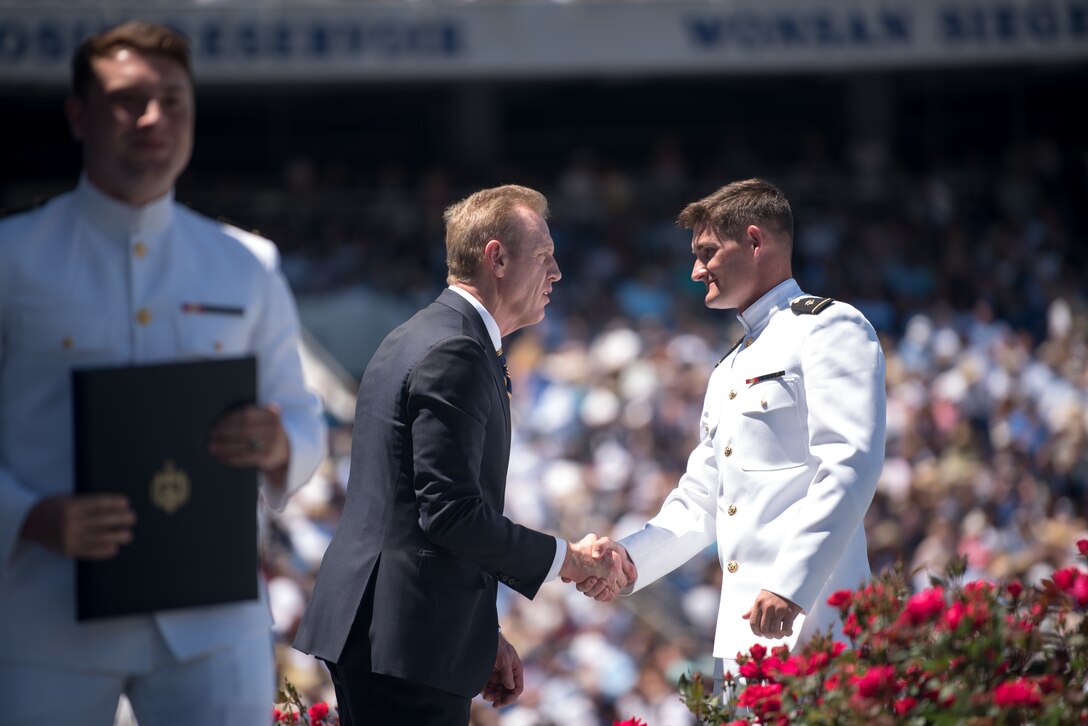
x: 475, y: 326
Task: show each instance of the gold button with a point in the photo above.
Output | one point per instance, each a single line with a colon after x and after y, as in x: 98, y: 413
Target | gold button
x: 143, y: 316
x: 732, y: 509
x: 732, y: 395
x: 749, y: 342
x: 732, y: 566
x: 706, y: 427
x: 67, y: 342
x: 139, y: 249
x: 763, y: 403
x: 728, y: 450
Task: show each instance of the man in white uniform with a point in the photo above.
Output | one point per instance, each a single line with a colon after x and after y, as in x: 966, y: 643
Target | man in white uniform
x: 112, y: 273
x: 791, y: 436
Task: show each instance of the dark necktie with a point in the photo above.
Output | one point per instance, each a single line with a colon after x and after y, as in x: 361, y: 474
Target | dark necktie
x: 505, y: 373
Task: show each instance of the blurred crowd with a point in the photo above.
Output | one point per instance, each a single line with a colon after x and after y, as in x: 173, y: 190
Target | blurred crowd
x: 972, y: 271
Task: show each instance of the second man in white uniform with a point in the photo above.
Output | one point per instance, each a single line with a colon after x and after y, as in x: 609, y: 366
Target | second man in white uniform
x: 791, y: 438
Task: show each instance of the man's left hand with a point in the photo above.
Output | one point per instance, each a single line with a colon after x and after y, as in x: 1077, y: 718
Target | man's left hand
x: 251, y: 436
x: 772, y: 616
x: 506, y: 682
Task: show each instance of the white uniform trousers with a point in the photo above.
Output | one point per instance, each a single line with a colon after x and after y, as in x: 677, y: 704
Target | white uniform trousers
x: 732, y: 691
x: 231, y: 685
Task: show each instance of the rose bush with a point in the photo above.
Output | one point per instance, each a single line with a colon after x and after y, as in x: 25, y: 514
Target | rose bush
x: 954, y: 653
x: 290, y: 711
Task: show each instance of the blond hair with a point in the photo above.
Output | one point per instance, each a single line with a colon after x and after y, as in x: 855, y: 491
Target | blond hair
x: 483, y: 216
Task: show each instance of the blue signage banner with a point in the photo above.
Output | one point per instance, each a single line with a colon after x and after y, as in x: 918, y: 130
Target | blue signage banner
x: 314, y: 42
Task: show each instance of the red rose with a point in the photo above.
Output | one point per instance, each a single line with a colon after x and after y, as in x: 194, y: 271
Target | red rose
x: 752, y: 670
x: 318, y: 712
x: 789, y: 666
x: 850, y: 627
x: 817, y: 661
x: 1014, y: 588
x: 762, y: 699
x: 1079, y: 591
x: 1064, y: 579
x: 903, y: 705
x: 953, y: 615
x: 629, y: 722
x: 876, y: 680
x: 841, y: 599
x: 738, y: 722
x: 276, y: 715
x: 923, y: 607
x: 1082, y: 546
x: 1049, y: 683
x: 758, y: 651
x: 980, y: 587
x: 1017, y: 694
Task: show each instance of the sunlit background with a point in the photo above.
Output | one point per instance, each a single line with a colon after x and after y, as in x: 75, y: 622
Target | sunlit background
x: 936, y: 157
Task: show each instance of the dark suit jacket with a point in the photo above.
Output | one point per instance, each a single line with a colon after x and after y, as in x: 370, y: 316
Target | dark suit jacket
x: 407, y: 586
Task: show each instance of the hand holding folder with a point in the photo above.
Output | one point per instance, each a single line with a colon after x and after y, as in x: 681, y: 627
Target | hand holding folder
x: 251, y: 436
x: 83, y: 527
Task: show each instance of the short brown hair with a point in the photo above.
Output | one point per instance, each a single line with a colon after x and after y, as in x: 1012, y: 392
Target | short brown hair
x: 486, y: 215
x: 730, y: 210
x: 141, y: 35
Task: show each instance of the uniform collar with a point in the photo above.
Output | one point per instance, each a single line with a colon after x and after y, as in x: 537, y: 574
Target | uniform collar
x: 116, y: 219
x: 779, y: 297
x: 488, y: 318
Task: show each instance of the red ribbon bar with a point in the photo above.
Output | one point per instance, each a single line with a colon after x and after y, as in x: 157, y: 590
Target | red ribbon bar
x: 191, y: 307
x: 765, y: 377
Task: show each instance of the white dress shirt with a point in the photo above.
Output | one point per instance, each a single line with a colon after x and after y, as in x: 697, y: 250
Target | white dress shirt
x: 88, y: 280
x: 791, y: 447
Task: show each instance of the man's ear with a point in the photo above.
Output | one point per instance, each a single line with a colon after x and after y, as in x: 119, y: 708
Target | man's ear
x: 754, y: 236
x: 75, y: 111
x: 495, y: 257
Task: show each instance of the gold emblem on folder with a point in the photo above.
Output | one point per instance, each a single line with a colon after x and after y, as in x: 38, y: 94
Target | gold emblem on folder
x: 170, y: 488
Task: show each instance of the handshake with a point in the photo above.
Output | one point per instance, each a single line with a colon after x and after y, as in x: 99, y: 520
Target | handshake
x: 599, y: 566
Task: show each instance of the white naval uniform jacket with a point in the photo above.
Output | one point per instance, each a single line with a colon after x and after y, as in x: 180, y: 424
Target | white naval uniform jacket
x: 785, y: 468
x: 88, y: 280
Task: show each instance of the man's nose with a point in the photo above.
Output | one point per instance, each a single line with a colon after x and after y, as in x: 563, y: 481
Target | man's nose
x: 152, y: 113
x: 698, y: 271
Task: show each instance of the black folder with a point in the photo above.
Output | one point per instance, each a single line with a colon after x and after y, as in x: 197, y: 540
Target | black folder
x: 143, y: 431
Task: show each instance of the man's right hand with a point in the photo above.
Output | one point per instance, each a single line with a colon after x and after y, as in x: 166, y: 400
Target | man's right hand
x: 600, y: 566
x: 84, y: 526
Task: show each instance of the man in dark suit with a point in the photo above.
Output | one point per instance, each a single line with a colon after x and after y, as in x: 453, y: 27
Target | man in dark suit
x: 403, y: 610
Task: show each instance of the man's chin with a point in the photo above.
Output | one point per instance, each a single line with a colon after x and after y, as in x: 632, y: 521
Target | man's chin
x: 715, y: 302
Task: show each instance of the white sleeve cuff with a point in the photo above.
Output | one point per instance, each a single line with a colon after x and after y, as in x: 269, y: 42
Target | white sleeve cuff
x: 557, y: 563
